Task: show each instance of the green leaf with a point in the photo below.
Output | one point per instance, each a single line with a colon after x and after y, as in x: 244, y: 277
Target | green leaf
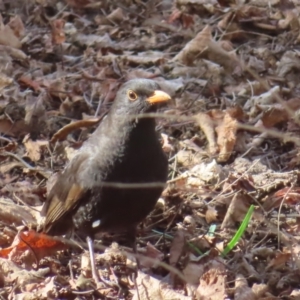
x: 240, y: 232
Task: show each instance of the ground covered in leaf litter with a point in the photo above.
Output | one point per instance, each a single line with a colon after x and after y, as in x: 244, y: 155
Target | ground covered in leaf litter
x: 231, y: 134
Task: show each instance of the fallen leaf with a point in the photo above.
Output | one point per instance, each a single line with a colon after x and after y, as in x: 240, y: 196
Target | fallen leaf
x: 226, y: 132
x: 8, y: 37
x: 58, y: 34
x: 279, y: 261
x: 237, y: 210
x: 63, y: 132
x: 11, y: 213
x: 212, y: 285
x: 203, y: 46
x: 41, y: 244
x: 167, y: 147
x: 207, y: 125
x: 149, y: 287
x: 34, y: 148
x: 16, y: 24
x: 177, y: 247
x: 29, y: 83
x: 211, y: 215
x: 242, y: 290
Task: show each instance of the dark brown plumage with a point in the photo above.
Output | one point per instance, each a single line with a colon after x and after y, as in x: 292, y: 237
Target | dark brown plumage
x: 123, y: 150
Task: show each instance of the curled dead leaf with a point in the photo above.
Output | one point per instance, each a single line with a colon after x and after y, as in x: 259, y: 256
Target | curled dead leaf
x: 63, y: 132
x: 226, y: 132
x: 207, y: 125
x: 204, y: 46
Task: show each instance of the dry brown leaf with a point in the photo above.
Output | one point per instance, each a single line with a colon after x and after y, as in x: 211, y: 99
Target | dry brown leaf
x: 63, y: 132
x: 186, y: 20
x: 74, y: 107
x: 290, y: 20
x: 148, y: 58
x: 232, y: 29
x: 70, y: 152
x: 151, y: 288
x: 236, y: 210
x: 29, y: 83
x: 202, y: 174
x: 295, y: 251
x: 260, y: 289
x: 79, y: 3
x: 28, y: 192
x: 117, y: 16
x: 196, y: 6
x: 38, y: 243
x: 57, y: 88
x: 10, y: 147
x: 6, y: 167
x: 226, y: 132
x: 33, y: 148
x: 4, y: 81
x: 58, y: 34
x: 211, y: 214
x: 212, y: 285
x: 288, y: 62
x: 13, y: 52
x: 141, y: 73
x: 203, y: 46
x: 16, y: 24
x: 279, y: 261
x: 207, y: 125
x: 153, y: 253
x: 290, y: 196
x: 8, y: 37
x: 204, y: 242
x: 192, y: 272
x: 188, y: 158
x: 196, y: 267
x: 167, y: 147
x: 11, y: 213
x: 242, y: 290
x: 14, y: 273
x: 46, y: 289
x: 12, y: 129
x: 195, y: 48
x: 278, y: 113
x: 246, y: 264
x: 177, y: 247
x: 267, y: 98
x: 274, y: 115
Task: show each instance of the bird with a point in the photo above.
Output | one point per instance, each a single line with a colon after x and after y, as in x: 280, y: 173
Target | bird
x: 115, y: 179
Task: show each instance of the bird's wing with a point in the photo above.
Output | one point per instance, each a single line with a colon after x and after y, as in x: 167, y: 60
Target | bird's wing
x: 64, y: 195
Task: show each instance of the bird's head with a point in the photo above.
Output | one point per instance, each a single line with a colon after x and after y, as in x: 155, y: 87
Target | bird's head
x: 138, y: 96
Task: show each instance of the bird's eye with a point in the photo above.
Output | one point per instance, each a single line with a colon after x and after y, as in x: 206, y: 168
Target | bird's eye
x: 132, y: 95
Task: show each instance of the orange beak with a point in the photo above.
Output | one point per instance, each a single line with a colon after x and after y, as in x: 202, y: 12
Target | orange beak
x: 158, y: 97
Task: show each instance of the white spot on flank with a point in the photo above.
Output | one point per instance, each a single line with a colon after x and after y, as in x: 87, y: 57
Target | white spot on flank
x: 96, y: 223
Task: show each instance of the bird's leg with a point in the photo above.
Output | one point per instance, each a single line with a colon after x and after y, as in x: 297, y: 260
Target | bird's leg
x: 90, y: 243
x: 131, y: 235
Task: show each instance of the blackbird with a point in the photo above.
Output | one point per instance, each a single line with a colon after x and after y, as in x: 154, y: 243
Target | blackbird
x: 116, y: 178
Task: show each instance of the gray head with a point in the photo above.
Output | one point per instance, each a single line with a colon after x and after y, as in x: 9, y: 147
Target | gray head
x: 138, y: 96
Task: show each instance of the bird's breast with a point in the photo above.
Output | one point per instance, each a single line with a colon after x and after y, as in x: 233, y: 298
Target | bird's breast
x: 120, y: 200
